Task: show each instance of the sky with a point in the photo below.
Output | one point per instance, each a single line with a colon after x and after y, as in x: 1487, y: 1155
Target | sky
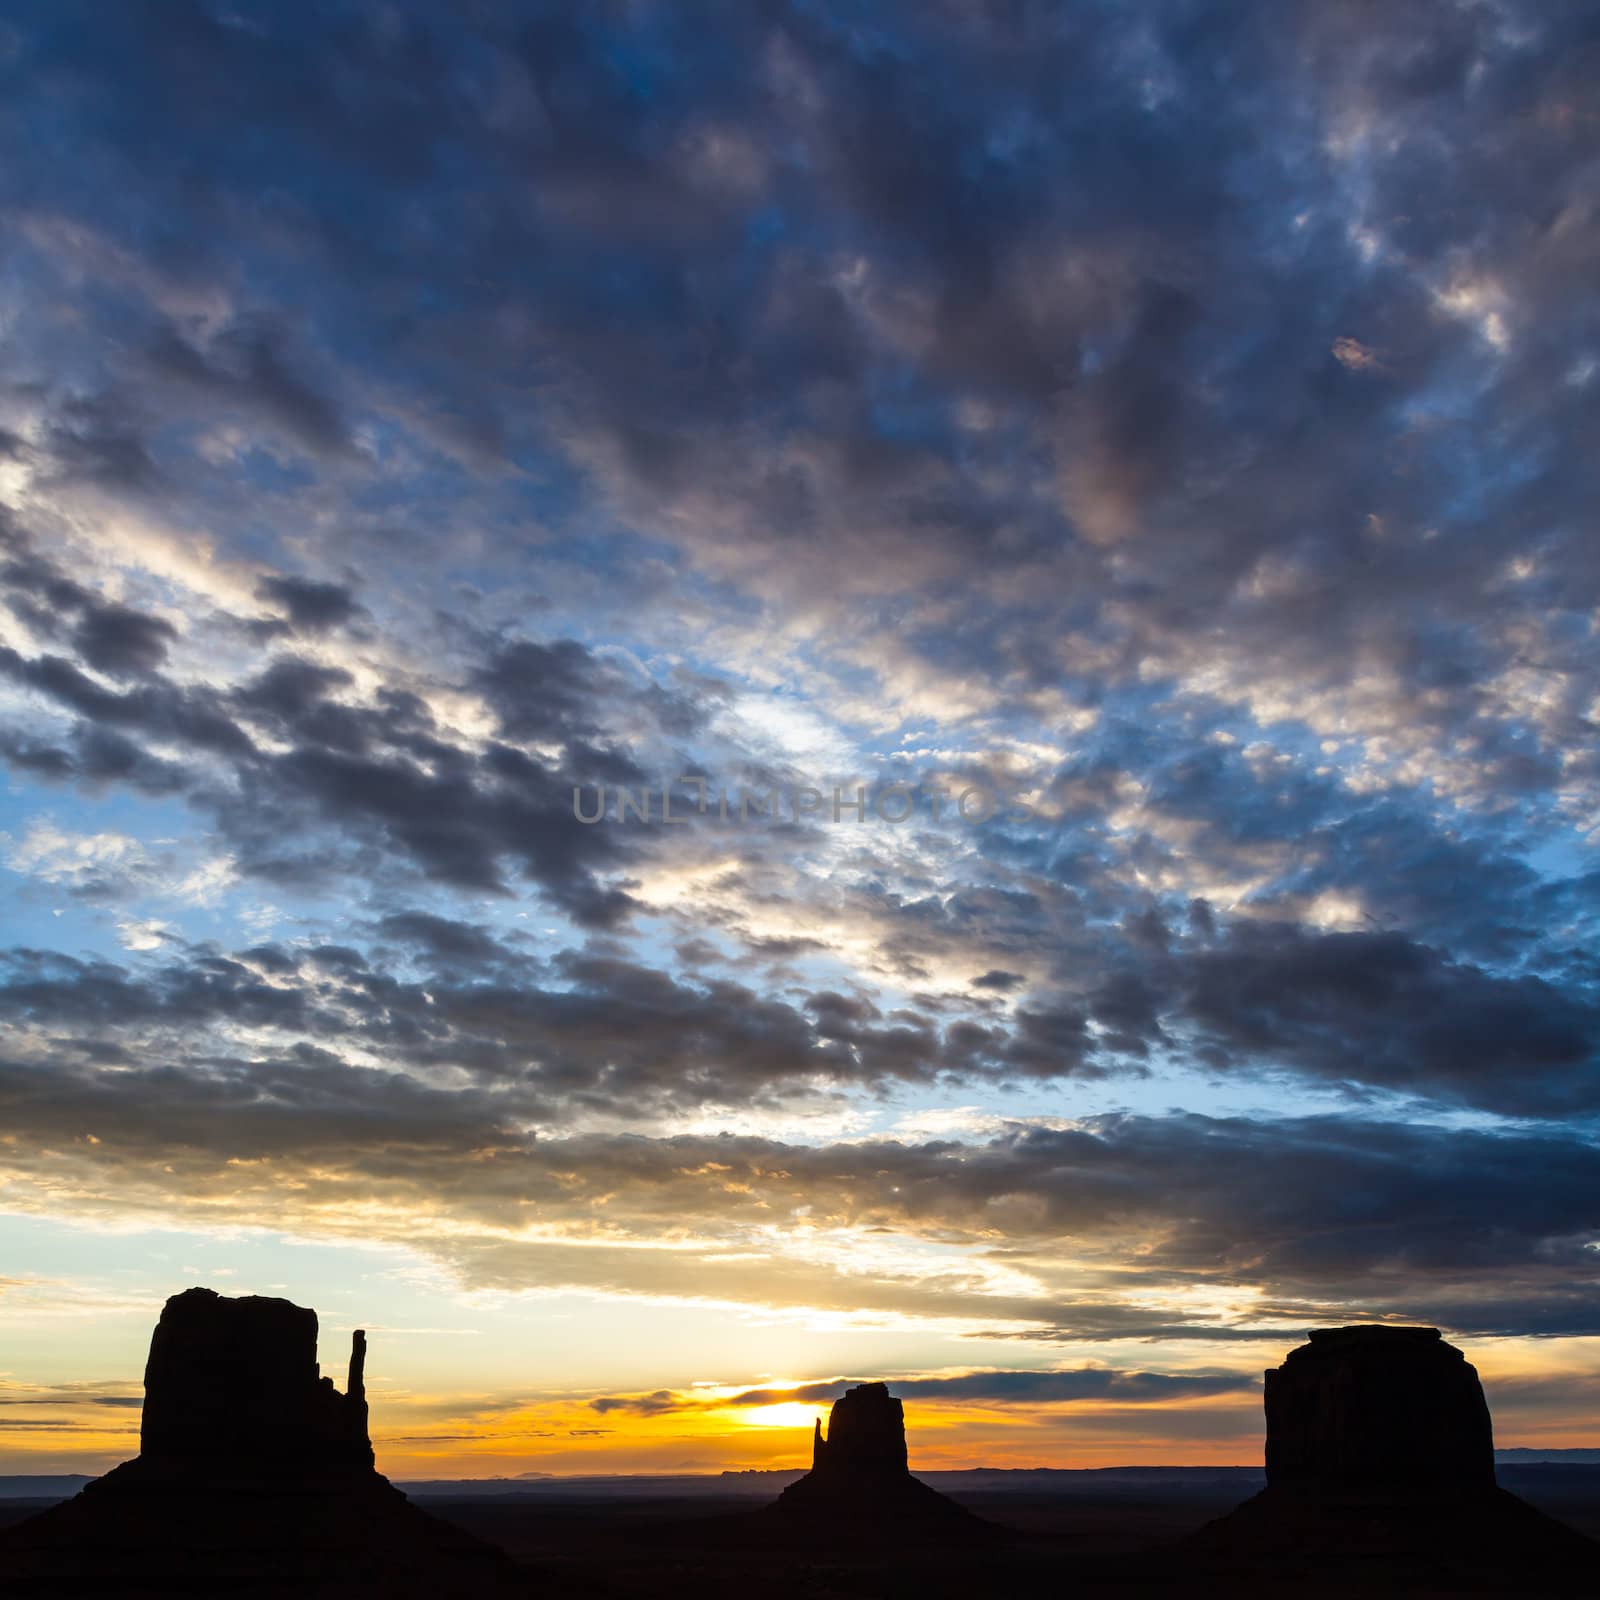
x: 1084, y: 512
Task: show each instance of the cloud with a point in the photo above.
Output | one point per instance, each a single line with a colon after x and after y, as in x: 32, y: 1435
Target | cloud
x: 1033, y: 1389
x: 978, y: 396
x: 312, y: 606
x: 1367, y: 1012
x: 1285, y: 1222
x: 123, y: 642
x: 244, y: 366
x: 380, y: 773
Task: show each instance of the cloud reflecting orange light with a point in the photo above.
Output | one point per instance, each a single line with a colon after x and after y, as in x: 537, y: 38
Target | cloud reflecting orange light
x: 705, y: 1429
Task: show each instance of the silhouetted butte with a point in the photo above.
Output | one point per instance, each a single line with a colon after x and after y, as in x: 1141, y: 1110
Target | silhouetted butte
x: 860, y: 1486
x: 234, y: 1385
x: 1380, y: 1473
x: 255, y: 1475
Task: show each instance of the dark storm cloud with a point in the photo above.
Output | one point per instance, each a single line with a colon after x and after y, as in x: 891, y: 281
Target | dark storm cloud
x: 445, y: 941
x: 102, y: 440
x: 1234, y: 806
x: 385, y: 770
x: 998, y: 980
x: 246, y: 367
x: 121, y: 641
x: 377, y: 772
x: 606, y: 1032
x: 1369, y: 1011
x: 194, y: 717
x: 93, y: 757
x: 1322, y: 1218
x: 1332, y: 1218
x: 458, y: 822
x: 562, y: 691
x: 541, y: 691
x: 356, y: 772
x: 292, y: 690
x: 51, y: 988
x: 115, y: 639
x: 1379, y: 1009
x: 312, y: 606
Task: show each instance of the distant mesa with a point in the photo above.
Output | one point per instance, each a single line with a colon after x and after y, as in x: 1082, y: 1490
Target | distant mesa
x: 254, y: 1471
x: 860, y: 1483
x: 1380, y: 1469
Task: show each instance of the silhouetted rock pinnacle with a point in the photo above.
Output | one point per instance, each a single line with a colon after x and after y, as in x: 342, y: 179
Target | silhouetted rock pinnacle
x: 254, y: 1473
x: 1380, y: 1474
x: 859, y: 1481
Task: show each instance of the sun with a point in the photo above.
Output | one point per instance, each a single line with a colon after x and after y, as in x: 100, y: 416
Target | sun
x: 787, y: 1414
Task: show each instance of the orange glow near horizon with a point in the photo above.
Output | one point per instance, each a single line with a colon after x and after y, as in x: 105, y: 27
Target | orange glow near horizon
x: 566, y: 1441
x: 789, y: 1414
x: 703, y: 1430
x: 778, y: 1437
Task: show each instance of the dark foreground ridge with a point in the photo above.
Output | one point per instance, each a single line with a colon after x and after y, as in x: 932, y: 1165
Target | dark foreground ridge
x: 1381, y: 1476
x: 255, y: 1476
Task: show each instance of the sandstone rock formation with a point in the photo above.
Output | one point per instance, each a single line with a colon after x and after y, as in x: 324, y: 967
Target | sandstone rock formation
x: 866, y: 1434
x: 859, y: 1481
x: 1380, y: 1476
x: 235, y: 1384
x: 1377, y: 1408
x: 254, y: 1473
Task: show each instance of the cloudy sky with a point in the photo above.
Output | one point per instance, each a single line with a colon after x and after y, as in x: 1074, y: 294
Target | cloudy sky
x: 1170, y: 427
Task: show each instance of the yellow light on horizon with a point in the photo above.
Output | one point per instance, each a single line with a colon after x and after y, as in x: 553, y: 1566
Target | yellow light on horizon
x: 786, y: 1414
